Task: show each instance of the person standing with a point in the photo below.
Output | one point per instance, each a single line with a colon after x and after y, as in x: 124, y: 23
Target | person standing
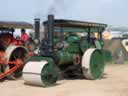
x: 24, y: 36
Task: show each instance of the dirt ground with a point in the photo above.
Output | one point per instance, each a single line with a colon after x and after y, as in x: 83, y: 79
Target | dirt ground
x: 114, y: 83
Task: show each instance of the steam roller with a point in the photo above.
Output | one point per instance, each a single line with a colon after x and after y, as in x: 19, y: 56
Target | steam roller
x: 12, y: 61
x: 42, y: 72
x: 65, y: 54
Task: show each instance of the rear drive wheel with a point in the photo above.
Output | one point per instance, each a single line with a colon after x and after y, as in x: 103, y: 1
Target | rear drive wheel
x: 93, y: 64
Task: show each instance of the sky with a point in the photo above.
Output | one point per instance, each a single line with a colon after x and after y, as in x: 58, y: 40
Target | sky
x: 111, y: 12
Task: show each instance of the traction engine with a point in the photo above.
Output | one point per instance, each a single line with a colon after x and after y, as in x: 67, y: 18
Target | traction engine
x: 69, y: 50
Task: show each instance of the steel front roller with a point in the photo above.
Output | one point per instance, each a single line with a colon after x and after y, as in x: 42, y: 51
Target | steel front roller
x: 40, y: 73
x: 93, y: 64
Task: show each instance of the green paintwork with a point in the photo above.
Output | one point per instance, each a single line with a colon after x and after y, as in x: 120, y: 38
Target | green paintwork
x: 73, y: 41
x: 84, y: 45
x: 65, y: 57
x: 73, y: 48
x: 73, y: 38
x: 97, y: 64
x: 49, y: 74
x: 74, y: 30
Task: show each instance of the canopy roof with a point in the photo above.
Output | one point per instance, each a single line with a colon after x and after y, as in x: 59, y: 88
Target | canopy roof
x: 74, y: 23
x: 76, y: 26
x: 11, y: 24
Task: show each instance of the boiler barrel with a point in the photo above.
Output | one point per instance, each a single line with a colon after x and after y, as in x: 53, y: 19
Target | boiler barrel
x: 64, y: 57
